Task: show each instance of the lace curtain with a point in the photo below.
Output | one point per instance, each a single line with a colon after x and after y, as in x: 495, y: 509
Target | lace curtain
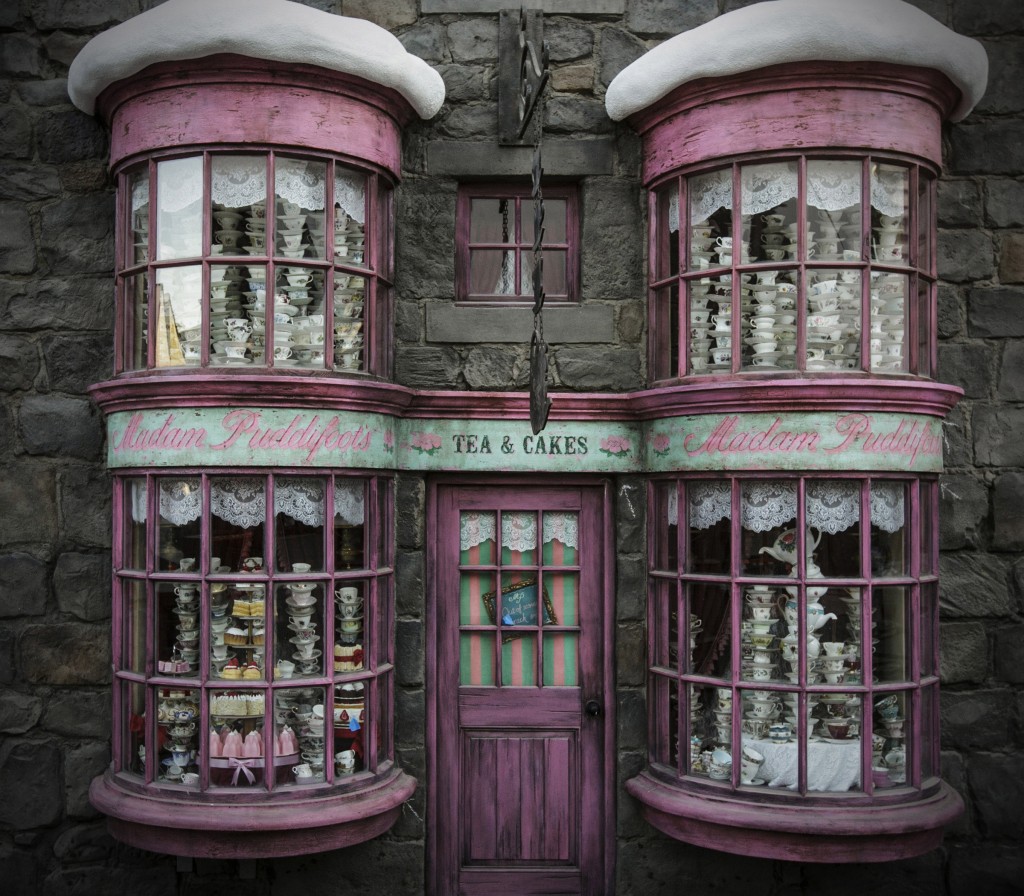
x: 238, y: 181
x: 832, y: 185
x: 832, y: 505
x: 518, y: 530
x: 242, y: 501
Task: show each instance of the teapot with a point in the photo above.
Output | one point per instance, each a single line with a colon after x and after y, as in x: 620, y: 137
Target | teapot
x: 784, y: 549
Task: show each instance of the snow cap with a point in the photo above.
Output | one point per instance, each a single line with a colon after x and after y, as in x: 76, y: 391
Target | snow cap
x: 277, y: 30
x: 780, y: 31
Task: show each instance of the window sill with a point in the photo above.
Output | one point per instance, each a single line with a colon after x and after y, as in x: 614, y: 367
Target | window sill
x: 265, y: 826
x: 733, y: 822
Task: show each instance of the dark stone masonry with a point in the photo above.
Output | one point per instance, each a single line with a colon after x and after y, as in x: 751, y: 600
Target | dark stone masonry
x: 56, y: 338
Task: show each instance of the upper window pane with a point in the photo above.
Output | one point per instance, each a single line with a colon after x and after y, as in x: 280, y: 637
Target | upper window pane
x: 494, y: 251
x: 179, y: 225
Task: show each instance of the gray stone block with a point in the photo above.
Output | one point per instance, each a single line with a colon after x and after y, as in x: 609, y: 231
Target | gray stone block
x: 631, y: 720
x: 951, y: 314
x: 73, y: 363
x: 612, y: 257
x: 965, y: 255
x: 994, y: 146
x: 477, y: 121
x: 964, y: 654
x: 992, y: 869
x: 73, y: 304
x: 576, y: 115
x: 1008, y: 654
x: 473, y: 40
x: 17, y: 245
x: 410, y: 522
x: 7, y: 668
x: 551, y: 7
x: 990, y: 17
x: 61, y: 426
x: 67, y: 653
x: 666, y: 18
x: 84, y: 497
x: 575, y: 324
x: 409, y: 646
x: 410, y: 718
x: 967, y: 365
x: 408, y: 322
x: 74, y: 712
x: 82, y: 763
x: 19, y: 363
x: 995, y: 311
x: 1004, y: 202
x: 1008, y: 512
x: 977, y: 719
x: 19, y: 712
x: 493, y: 367
x: 427, y: 368
x: 587, y: 370
x: 76, y: 235
x: 630, y: 656
x: 1010, y: 384
x: 15, y: 133
x: 88, y: 842
x: 630, y: 589
x: 28, y: 496
x: 426, y: 40
x: 963, y: 511
x: 425, y: 268
x: 20, y: 55
x: 618, y: 49
x: 468, y: 83
x: 998, y: 783
x: 1011, y: 258
x: 70, y: 136
x: 32, y: 784
x: 389, y: 16
x: 631, y: 507
x: 960, y: 203
x: 27, y: 181
x: 576, y: 158
x: 409, y: 578
x: 1004, y: 93
x: 50, y: 15
x: 568, y: 41
x: 63, y: 47
x: 997, y: 435
x: 51, y: 92
x: 81, y: 583
x: 973, y: 585
x: 24, y: 585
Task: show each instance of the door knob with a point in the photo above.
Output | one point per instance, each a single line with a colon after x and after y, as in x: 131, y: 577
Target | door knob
x: 593, y: 708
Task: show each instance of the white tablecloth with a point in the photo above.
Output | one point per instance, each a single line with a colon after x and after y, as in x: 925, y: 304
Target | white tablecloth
x: 833, y: 767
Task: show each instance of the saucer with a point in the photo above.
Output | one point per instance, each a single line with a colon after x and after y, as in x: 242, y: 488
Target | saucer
x: 754, y: 782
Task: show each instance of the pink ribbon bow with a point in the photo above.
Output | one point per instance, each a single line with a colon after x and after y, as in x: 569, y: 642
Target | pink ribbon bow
x: 242, y: 765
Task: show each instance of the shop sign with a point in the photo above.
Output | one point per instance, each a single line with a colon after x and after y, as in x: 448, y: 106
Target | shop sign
x: 301, y: 437
x: 845, y: 440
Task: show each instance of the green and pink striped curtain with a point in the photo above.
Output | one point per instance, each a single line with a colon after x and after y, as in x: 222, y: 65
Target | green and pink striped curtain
x: 560, y: 579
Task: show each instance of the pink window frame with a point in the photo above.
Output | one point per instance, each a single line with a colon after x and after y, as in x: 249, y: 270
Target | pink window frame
x: 523, y: 205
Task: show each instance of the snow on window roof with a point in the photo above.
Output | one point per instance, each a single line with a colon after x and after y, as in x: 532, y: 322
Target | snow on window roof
x: 782, y: 31
x: 277, y: 30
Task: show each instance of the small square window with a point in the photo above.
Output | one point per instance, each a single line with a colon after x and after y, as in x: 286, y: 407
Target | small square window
x: 494, y: 248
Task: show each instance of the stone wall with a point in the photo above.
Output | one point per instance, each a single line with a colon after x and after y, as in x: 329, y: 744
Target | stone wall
x: 56, y: 250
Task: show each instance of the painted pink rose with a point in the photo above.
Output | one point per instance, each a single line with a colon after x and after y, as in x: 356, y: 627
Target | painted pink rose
x: 425, y: 442
x: 660, y: 444
x: 615, y: 446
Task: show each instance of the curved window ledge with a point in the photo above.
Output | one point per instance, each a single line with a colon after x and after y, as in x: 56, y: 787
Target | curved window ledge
x: 260, y: 828
x: 796, y: 831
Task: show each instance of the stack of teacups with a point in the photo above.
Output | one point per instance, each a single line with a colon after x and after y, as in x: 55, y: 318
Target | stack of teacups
x: 228, y: 234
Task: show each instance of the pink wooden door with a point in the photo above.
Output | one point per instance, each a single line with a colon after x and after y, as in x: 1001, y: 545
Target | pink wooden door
x: 520, y: 728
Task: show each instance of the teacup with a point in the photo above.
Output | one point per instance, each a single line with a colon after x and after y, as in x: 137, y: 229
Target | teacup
x: 302, y: 770
x: 780, y: 731
x: 833, y: 648
x: 347, y: 595
x: 750, y: 763
x: 774, y: 220
x: 774, y: 253
x: 252, y: 564
x: 349, y: 611
x: 345, y: 762
x: 698, y: 363
x: 282, y: 352
x: 285, y: 668
x: 190, y: 779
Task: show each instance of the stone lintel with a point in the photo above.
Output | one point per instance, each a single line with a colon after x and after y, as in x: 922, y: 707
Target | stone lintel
x: 462, y: 324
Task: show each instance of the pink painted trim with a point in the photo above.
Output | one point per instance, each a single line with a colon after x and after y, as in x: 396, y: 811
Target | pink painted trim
x: 841, y: 831
x: 798, y: 107
x: 740, y: 393
x: 255, y: 829
x: 228, y: 99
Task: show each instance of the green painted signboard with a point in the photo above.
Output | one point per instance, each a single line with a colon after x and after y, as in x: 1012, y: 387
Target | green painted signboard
x: 290, y: 437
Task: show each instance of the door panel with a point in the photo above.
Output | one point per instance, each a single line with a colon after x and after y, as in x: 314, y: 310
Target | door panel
x: 519, y: 622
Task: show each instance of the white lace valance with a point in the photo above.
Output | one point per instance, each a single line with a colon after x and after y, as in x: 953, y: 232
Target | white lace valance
x: 518, y: 530
x: 350, y: 194
x: 832, y: 505
x: 242, y: 501
x: 239, y: 181
x: 302, y: 182
x: 832, y: 185
x: 179, y: 184
x: 140, y: 194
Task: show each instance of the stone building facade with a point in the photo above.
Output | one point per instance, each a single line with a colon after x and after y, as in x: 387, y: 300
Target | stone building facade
x: 56, y: 339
